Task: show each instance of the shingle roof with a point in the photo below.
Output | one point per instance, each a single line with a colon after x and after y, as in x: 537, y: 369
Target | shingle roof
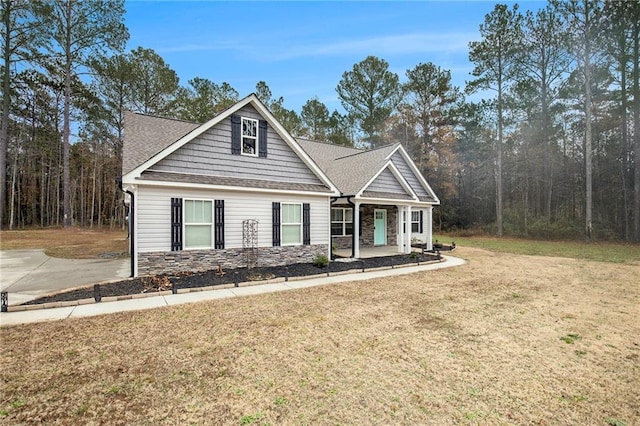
x: 232, y: 181
x: 350, y: 169
x: 146, y: 135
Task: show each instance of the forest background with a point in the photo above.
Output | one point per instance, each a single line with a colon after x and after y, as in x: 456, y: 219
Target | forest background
x: 554, y: 152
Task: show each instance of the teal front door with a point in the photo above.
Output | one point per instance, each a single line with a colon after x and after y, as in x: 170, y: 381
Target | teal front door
x: 379, y: 227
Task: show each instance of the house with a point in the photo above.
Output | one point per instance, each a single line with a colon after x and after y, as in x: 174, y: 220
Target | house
x: 239, y: 189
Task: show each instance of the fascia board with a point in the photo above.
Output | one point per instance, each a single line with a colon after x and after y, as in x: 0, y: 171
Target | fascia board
x: 227, y: 188
x: 396, y: 173
x: 189, y: 137
x: 289, y: 140
x: 415, y: 170
x: 256, y: 103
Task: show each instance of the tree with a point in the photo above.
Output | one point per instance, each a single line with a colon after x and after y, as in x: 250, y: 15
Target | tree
x: 82, y: 30
x: 287, y: 117
x: 203, y: 100
x: 340, y: 130
x: 21, y: 33
x: 542, y: 62
x: 494, y: 58
x: 369, y: 93
x: 153, y: 82
x: 583, y: 18
x: 315, y: 119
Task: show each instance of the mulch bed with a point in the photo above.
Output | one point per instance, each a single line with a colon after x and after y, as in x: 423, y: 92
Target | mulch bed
x: 232, y: 276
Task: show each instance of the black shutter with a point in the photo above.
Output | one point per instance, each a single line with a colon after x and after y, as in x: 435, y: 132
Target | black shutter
x: 219, y: 224
x: 236, y: 135
x: 275, y: 213
x: 176, y: 224
x: 262, y: 139
x: 306, y: 224
x: 421, y: 219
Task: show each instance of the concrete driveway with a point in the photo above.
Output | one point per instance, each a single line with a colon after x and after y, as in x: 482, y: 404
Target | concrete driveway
x: 29, y: 274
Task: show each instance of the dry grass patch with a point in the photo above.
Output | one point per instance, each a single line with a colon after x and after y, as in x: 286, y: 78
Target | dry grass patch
x: 71, y: 243
x: 478, y: 344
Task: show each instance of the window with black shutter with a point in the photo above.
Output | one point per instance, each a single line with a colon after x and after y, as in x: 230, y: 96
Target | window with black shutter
x: 219, y: 224
x: 306, y: 224
x: 262, y: 139
x: 176, y: 224
x: 275, y: 219
x: 236, y: 144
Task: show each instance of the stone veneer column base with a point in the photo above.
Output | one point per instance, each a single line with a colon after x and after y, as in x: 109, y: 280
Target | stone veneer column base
x: 172, y: 262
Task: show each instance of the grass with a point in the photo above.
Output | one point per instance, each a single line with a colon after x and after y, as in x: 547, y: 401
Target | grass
x: 605, y: 252
x: 446, y: 347
x: 71, y: 243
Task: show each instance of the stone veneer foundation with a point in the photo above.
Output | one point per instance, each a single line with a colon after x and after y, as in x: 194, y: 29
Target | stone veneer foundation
x: 171, y: 262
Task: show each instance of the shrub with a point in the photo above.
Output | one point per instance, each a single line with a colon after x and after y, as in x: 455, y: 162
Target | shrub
x: 320, y: 261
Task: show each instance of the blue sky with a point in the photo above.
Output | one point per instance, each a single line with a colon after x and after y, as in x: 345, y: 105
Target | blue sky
x: 301, y: 49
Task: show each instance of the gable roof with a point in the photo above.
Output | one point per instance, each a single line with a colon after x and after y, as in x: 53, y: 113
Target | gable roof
x: 146, y: 135
x: 154, y: 139
x: 352, y: 170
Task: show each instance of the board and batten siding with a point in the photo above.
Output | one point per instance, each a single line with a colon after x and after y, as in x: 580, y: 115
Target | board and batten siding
x: 404, y: 168
x: 153, y: 210
x: 210, y: 155
x: 386, y: 182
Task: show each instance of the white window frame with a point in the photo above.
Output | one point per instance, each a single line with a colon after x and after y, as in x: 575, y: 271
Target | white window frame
x: 254, y: 138
x: 185, y: 224
x: 344, y: 222
x: 282, y: 224
x: 416, y: 213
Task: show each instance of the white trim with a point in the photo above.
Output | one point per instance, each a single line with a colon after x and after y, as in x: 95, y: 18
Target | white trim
x: 290, y: 224
x: 223, y: 188
x: 210, y: 224
x: 396, y: 173
x: 385, y: 227
x: 416, y: 172
x: 343, y: 221
x: 255, y: 138
x: 257, y: 104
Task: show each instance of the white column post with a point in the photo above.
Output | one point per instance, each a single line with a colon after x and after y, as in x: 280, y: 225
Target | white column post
x: 407, y: 229
x: 356, y: 230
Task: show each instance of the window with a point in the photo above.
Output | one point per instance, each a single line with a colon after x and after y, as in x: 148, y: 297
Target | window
x: 341, y: 222
x: 249, y: 136
x: 198, y: 221
x: 291, y: 224
x: 415, y: 222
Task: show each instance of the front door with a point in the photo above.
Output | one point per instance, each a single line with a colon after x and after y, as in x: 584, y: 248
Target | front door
x: 379, y: 227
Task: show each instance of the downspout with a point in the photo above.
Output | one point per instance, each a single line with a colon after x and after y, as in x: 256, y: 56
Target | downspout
x: 132, y: 252
x: 353, y: 232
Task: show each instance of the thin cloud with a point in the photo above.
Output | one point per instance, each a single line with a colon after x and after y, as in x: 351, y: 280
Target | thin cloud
x: 384, y: 45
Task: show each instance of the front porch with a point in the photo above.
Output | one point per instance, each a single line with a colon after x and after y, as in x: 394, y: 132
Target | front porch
x: 368, y: 252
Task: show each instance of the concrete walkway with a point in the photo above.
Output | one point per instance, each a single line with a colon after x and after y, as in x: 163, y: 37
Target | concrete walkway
x: 93, y: 309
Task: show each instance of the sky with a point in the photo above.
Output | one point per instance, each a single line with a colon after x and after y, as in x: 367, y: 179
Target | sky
x: 301, y: 49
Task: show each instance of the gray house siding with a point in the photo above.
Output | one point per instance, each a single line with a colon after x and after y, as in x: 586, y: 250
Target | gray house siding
x: 386, y: 182
x: 210, y: 155
x: 402, y: 166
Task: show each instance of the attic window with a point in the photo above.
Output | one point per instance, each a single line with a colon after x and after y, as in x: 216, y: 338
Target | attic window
x: 249, y: 136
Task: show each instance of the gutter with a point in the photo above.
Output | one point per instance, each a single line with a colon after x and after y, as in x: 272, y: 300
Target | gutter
x: 131, y: 226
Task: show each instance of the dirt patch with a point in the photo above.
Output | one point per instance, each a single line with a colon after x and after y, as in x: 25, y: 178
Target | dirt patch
x: 504, y: 339
x: 233, y: 276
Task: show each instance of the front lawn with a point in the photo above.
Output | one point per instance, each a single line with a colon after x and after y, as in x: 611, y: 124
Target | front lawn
x: 504, y: 339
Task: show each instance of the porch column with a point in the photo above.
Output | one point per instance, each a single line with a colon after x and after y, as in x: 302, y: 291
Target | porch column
x: 407, y: 231
x: 428, y: 227
x: 355, y: 247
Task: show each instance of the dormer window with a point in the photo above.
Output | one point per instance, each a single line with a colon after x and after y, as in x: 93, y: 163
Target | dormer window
x: 249, y: 136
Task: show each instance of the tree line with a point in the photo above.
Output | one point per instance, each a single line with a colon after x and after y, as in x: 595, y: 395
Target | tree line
x: 551, y: 151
